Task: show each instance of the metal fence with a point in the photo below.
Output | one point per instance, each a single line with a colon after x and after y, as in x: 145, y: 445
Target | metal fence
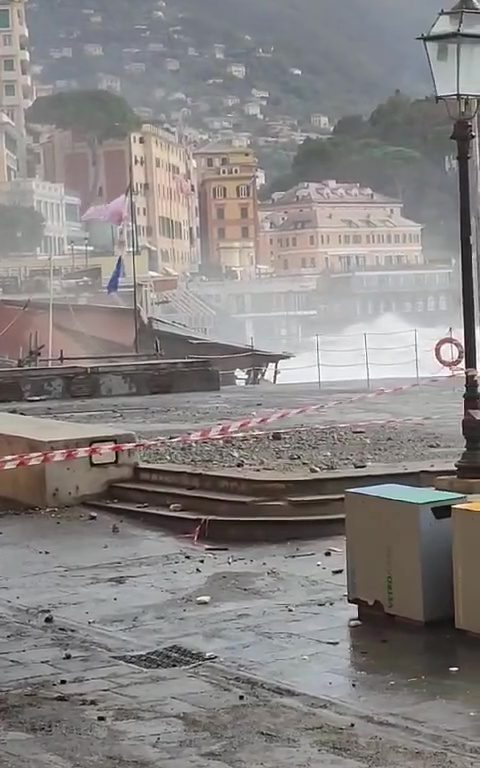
x: 366, y: 357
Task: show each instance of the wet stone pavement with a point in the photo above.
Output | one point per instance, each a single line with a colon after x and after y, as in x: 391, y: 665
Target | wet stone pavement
x: 292, y: 683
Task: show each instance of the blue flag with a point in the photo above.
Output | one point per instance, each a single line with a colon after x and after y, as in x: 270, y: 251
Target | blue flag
x: 117, y: 273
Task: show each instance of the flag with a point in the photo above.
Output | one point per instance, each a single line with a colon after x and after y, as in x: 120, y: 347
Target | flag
x: 117, y: 273
x: 111, y: 213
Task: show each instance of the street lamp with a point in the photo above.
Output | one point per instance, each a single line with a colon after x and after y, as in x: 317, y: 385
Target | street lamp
x: 453, y: 50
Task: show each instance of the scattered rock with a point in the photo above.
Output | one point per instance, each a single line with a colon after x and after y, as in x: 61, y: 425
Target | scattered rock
x: 67, y: 655
x: 290, y: 609
x: 92, y: 516
x: 337, y: 571
x: 241, y: 697
x: 62, y: 681
x: 353, y: 623
x: 276, y: 436
x: 115, y: 528
x: 175, y: 508
x: 360, y: 465
x: 48, y: 619
x: 61, y: 697
x: 101, y: 718
x: 203, y: 600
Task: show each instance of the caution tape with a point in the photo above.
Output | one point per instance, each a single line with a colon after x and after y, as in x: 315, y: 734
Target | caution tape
x: 217, y: 432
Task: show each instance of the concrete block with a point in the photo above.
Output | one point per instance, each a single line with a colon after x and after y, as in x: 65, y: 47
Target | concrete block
x: 457, y: 485
x: 63, y: 483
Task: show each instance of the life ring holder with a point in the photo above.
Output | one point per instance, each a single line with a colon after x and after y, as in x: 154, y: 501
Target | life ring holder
x: 455, y: 360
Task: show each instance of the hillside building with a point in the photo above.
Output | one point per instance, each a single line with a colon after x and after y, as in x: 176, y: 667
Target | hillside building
x: 330, y: 227
x: 228, y: 209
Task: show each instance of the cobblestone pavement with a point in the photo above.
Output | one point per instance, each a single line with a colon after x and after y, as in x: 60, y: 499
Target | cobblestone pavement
x: 293, y: 685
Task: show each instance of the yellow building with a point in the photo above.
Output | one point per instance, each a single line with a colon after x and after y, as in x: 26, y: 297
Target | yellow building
x: 164, y: 182
x: 164, y: 186
x: 228, y: 209
x: 336, y: 227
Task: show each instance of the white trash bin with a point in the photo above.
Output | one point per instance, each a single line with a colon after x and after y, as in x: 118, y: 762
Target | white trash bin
x: 399, y: 551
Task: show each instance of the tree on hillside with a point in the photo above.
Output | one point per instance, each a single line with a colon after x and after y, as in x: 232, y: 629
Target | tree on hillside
x: 399, y: 151
x: 95, y: 115
x: 21, y: 229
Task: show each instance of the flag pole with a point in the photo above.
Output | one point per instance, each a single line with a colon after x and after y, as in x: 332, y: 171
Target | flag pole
x: 50, y: 312
x: 134, y: 240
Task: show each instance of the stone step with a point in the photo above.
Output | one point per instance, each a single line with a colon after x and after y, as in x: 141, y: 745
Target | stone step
x: 229, y: 528
x: 224, y: 504
x: 280, y: 485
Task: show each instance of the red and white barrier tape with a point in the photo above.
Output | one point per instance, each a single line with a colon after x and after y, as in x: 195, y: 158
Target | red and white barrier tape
x: 220, y: 431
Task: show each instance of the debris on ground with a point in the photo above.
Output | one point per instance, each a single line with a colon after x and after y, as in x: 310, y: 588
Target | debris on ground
x: 203, y: 600
x: 309, y: 451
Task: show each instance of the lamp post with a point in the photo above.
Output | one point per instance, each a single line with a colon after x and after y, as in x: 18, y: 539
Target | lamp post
x: 453, y: 51
x: 86, y: 242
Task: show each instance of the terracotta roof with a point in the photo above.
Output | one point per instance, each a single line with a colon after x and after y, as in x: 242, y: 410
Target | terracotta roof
x: 330, y: 191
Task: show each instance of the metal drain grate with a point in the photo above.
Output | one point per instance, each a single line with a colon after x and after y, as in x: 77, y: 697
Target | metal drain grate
x: 165, y: 658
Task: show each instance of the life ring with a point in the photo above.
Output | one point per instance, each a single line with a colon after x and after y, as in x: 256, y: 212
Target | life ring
x: 449, y: 341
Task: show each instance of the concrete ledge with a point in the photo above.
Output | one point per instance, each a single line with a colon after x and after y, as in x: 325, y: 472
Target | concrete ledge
x: 458, y: 485
x: 64, y: 483
x: 110, y: 380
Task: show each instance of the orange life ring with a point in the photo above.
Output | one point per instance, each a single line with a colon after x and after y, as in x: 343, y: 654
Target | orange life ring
x: 449, y: 341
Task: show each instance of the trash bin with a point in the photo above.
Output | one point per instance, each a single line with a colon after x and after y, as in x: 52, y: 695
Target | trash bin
x: 466, y: 565
x: 399, y: 551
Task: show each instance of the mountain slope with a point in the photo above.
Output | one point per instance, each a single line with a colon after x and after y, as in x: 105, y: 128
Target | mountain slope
x: 352, y: 53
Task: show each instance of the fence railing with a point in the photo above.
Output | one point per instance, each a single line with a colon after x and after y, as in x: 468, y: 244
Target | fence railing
x: 366, y: 357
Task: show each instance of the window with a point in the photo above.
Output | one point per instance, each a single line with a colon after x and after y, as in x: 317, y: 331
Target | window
x: 9, y: 89
x: 157, y: 162
x: 404, y: 238
x: 287, y: 242
x: 9, y: 65
x: 221, y: 233
x: 368, y: 239
x: 312, y: 239
x: 244, y: 212
x: 397, y: 238
x: 304, y: 263
x: 219, y: 193
x: 346, y: 239
x: 245, y: 233
x: 221, y: 212
x: 243, y: 190
x: 5, y: 19
x: 313, y: 261
x: 294, y: 242
x: 356, y: 239
x: 285, y: 263
x: 389, y: 239
x: 224, y: 161
x: 209, y: 162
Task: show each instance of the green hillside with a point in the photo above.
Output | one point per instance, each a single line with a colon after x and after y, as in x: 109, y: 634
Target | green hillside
x: 352, y: 53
